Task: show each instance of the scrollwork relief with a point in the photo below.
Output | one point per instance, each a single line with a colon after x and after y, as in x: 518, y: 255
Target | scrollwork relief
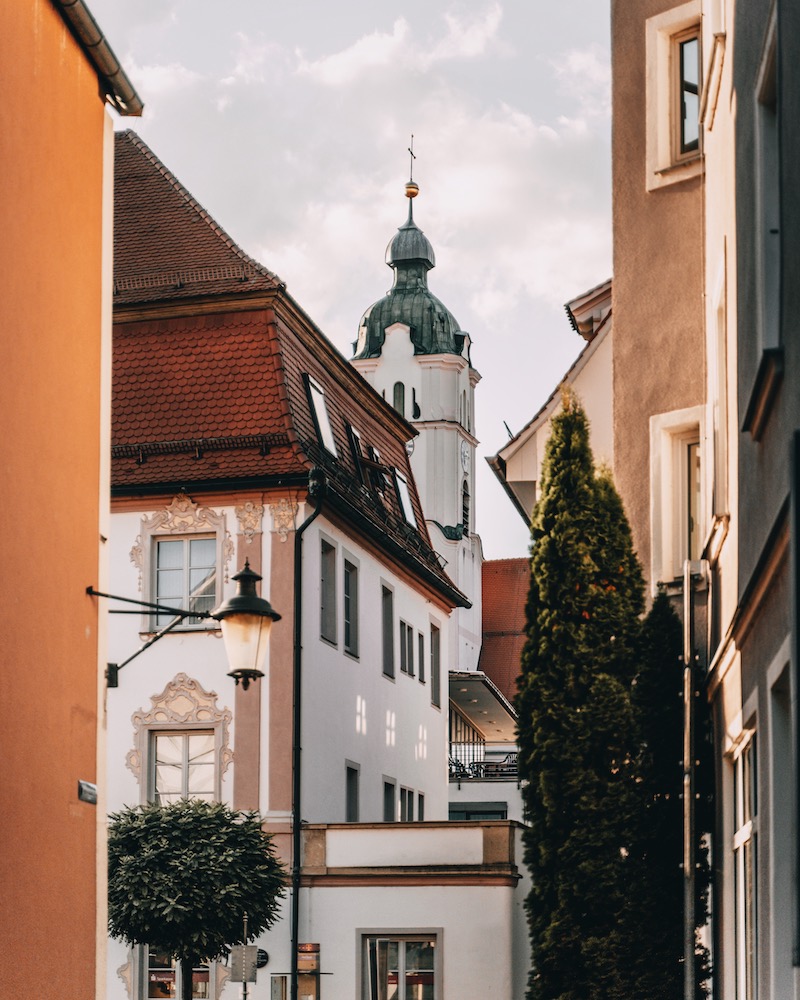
x: 283, y: 516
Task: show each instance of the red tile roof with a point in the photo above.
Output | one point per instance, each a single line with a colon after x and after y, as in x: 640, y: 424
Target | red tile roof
x: 166, y: 246
x: 215, y: 393
x: 505, y: 592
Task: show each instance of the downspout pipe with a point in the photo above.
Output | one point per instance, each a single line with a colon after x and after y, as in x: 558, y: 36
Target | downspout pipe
x: 317, y: 490
x: 688, y: 785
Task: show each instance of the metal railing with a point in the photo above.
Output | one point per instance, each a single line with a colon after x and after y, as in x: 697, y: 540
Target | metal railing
x: 482, y: 761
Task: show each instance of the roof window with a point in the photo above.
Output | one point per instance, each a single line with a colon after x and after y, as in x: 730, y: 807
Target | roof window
x: 316, y: 395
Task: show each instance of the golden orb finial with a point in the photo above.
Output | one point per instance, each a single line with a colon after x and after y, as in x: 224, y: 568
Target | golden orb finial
x: 412, y: 189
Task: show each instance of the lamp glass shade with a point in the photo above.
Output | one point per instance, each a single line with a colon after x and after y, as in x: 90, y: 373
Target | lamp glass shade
x: 246, y: 638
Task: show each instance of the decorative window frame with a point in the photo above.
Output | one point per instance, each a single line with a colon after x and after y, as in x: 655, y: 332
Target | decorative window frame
x: 665, y: 164
x: 184, y: 705
x: 182, y: 518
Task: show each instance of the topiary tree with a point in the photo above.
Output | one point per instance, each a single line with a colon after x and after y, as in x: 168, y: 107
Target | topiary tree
x: 577, y: 734
x: 181, y: 876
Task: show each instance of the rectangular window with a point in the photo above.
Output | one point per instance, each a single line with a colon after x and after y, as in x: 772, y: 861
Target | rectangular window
x: 436, y: 680
x: 404, y: 497
x: 694, y: 534
x: 164, y: 977
x: 387, y: 619
x: 350, y: 608
x: 745, y: 809
x: 351, y: 793
x: 185, y: 576
x: 327, y: 590
x: 406, y: 649
x: 688, y: 85
x: 319, y: 410
x: 183, y: 765
x: 356, y: 450
x: 400, y: 968
x: 420, y: 807
x: 406, y: 805
x: 389, y: 808
x: 421, y: 656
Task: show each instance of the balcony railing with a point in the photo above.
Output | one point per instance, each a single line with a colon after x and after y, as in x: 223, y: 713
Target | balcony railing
x: 483, y: 761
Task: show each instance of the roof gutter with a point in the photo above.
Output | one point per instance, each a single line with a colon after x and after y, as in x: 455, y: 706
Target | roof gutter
x: 117, y: 87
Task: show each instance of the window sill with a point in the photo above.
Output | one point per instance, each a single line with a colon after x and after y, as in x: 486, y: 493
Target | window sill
x: 675, y: 173
x: 765, y: 388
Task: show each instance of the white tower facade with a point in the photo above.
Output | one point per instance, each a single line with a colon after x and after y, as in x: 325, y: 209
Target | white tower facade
x: 412, y: 351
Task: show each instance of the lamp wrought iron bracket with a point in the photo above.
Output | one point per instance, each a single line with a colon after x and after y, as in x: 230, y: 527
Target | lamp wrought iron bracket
x: 179, y: 615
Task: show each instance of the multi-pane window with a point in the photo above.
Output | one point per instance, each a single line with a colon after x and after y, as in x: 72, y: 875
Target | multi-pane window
x: 387, y: 628
x: 351, y: 793
x: 406, y: 805
x: 436, y: 680
x: 745, y: 810
x: 421, y: 656
x: 185, y: 576
x: 688, y: 66
x: 350, y: 608
x: 164, y: 977
x: 183, y: 765
x: 406, y: 649
x: 400, y: 968
x: 327, y: 588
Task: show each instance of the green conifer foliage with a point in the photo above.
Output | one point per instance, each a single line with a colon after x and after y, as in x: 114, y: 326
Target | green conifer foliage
x: 576, y: 725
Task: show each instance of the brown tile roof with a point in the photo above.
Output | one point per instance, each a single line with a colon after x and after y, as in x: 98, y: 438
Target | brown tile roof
x: 166, y: 246
x: 505, y: 592
x: 217, y: 395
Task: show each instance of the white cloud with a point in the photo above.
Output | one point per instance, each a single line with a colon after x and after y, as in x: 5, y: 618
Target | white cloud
x: 466, y: 38
x: 251, y: 58
x: 377, y: 49
x: 155, y: 80
x: 585, y: 75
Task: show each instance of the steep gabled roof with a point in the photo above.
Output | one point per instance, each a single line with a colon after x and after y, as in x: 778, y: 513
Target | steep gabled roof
x: 215, y: 394
x: 166, y: 246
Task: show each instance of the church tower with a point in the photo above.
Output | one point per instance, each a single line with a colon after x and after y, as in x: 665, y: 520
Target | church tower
x: 411, y: 349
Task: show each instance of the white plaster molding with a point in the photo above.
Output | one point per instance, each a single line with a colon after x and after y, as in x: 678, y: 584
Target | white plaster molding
x: 249, y: 516
x: 283, y: 517
x: 183, y: 703
x: 182, y: 516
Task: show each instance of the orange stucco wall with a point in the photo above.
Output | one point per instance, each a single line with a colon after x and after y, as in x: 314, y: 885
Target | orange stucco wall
x: 52, y: 125
x: 658, y: 362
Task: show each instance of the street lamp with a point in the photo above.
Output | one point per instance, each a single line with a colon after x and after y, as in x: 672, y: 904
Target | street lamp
x: 245, y: 620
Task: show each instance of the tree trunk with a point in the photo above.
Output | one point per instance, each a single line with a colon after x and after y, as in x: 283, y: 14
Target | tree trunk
x: 187, y: 964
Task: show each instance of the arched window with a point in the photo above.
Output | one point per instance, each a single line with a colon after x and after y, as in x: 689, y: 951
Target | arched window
x: 400, y: 398
x: 465, y: 507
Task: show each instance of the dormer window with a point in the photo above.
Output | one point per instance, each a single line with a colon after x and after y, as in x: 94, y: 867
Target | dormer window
x: 405, y: 498
x: 316, y: 395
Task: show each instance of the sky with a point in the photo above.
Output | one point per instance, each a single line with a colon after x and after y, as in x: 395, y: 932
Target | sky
x: 290, y: 123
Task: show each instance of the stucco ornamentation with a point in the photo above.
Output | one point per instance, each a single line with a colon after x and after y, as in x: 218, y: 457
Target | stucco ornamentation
x: 283, y: 515
x: 249, y: 516
x: 183, y: 702
x: 182, y: 516
x: 125, y: 973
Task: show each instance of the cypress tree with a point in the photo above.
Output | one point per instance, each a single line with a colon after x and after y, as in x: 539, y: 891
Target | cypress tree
x: 577, y: 734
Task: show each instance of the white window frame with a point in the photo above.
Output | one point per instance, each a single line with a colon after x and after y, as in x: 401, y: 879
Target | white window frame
x: 406, y: 800
x: 365, y: 935
x: 183, y: 733
x: 181, y: 519
x: 745, y: 866
x: 406, y: 648
x: 665, y: 164
x: 328, y: 573
x: 350, y: 604
x: 404, y: 498
x: 319, y: 411
x: 143, y: 958
x: 670, y: 433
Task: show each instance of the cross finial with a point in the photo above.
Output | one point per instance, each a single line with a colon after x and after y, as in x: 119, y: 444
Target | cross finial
x: 412, y: 188
x: 413, y: 157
